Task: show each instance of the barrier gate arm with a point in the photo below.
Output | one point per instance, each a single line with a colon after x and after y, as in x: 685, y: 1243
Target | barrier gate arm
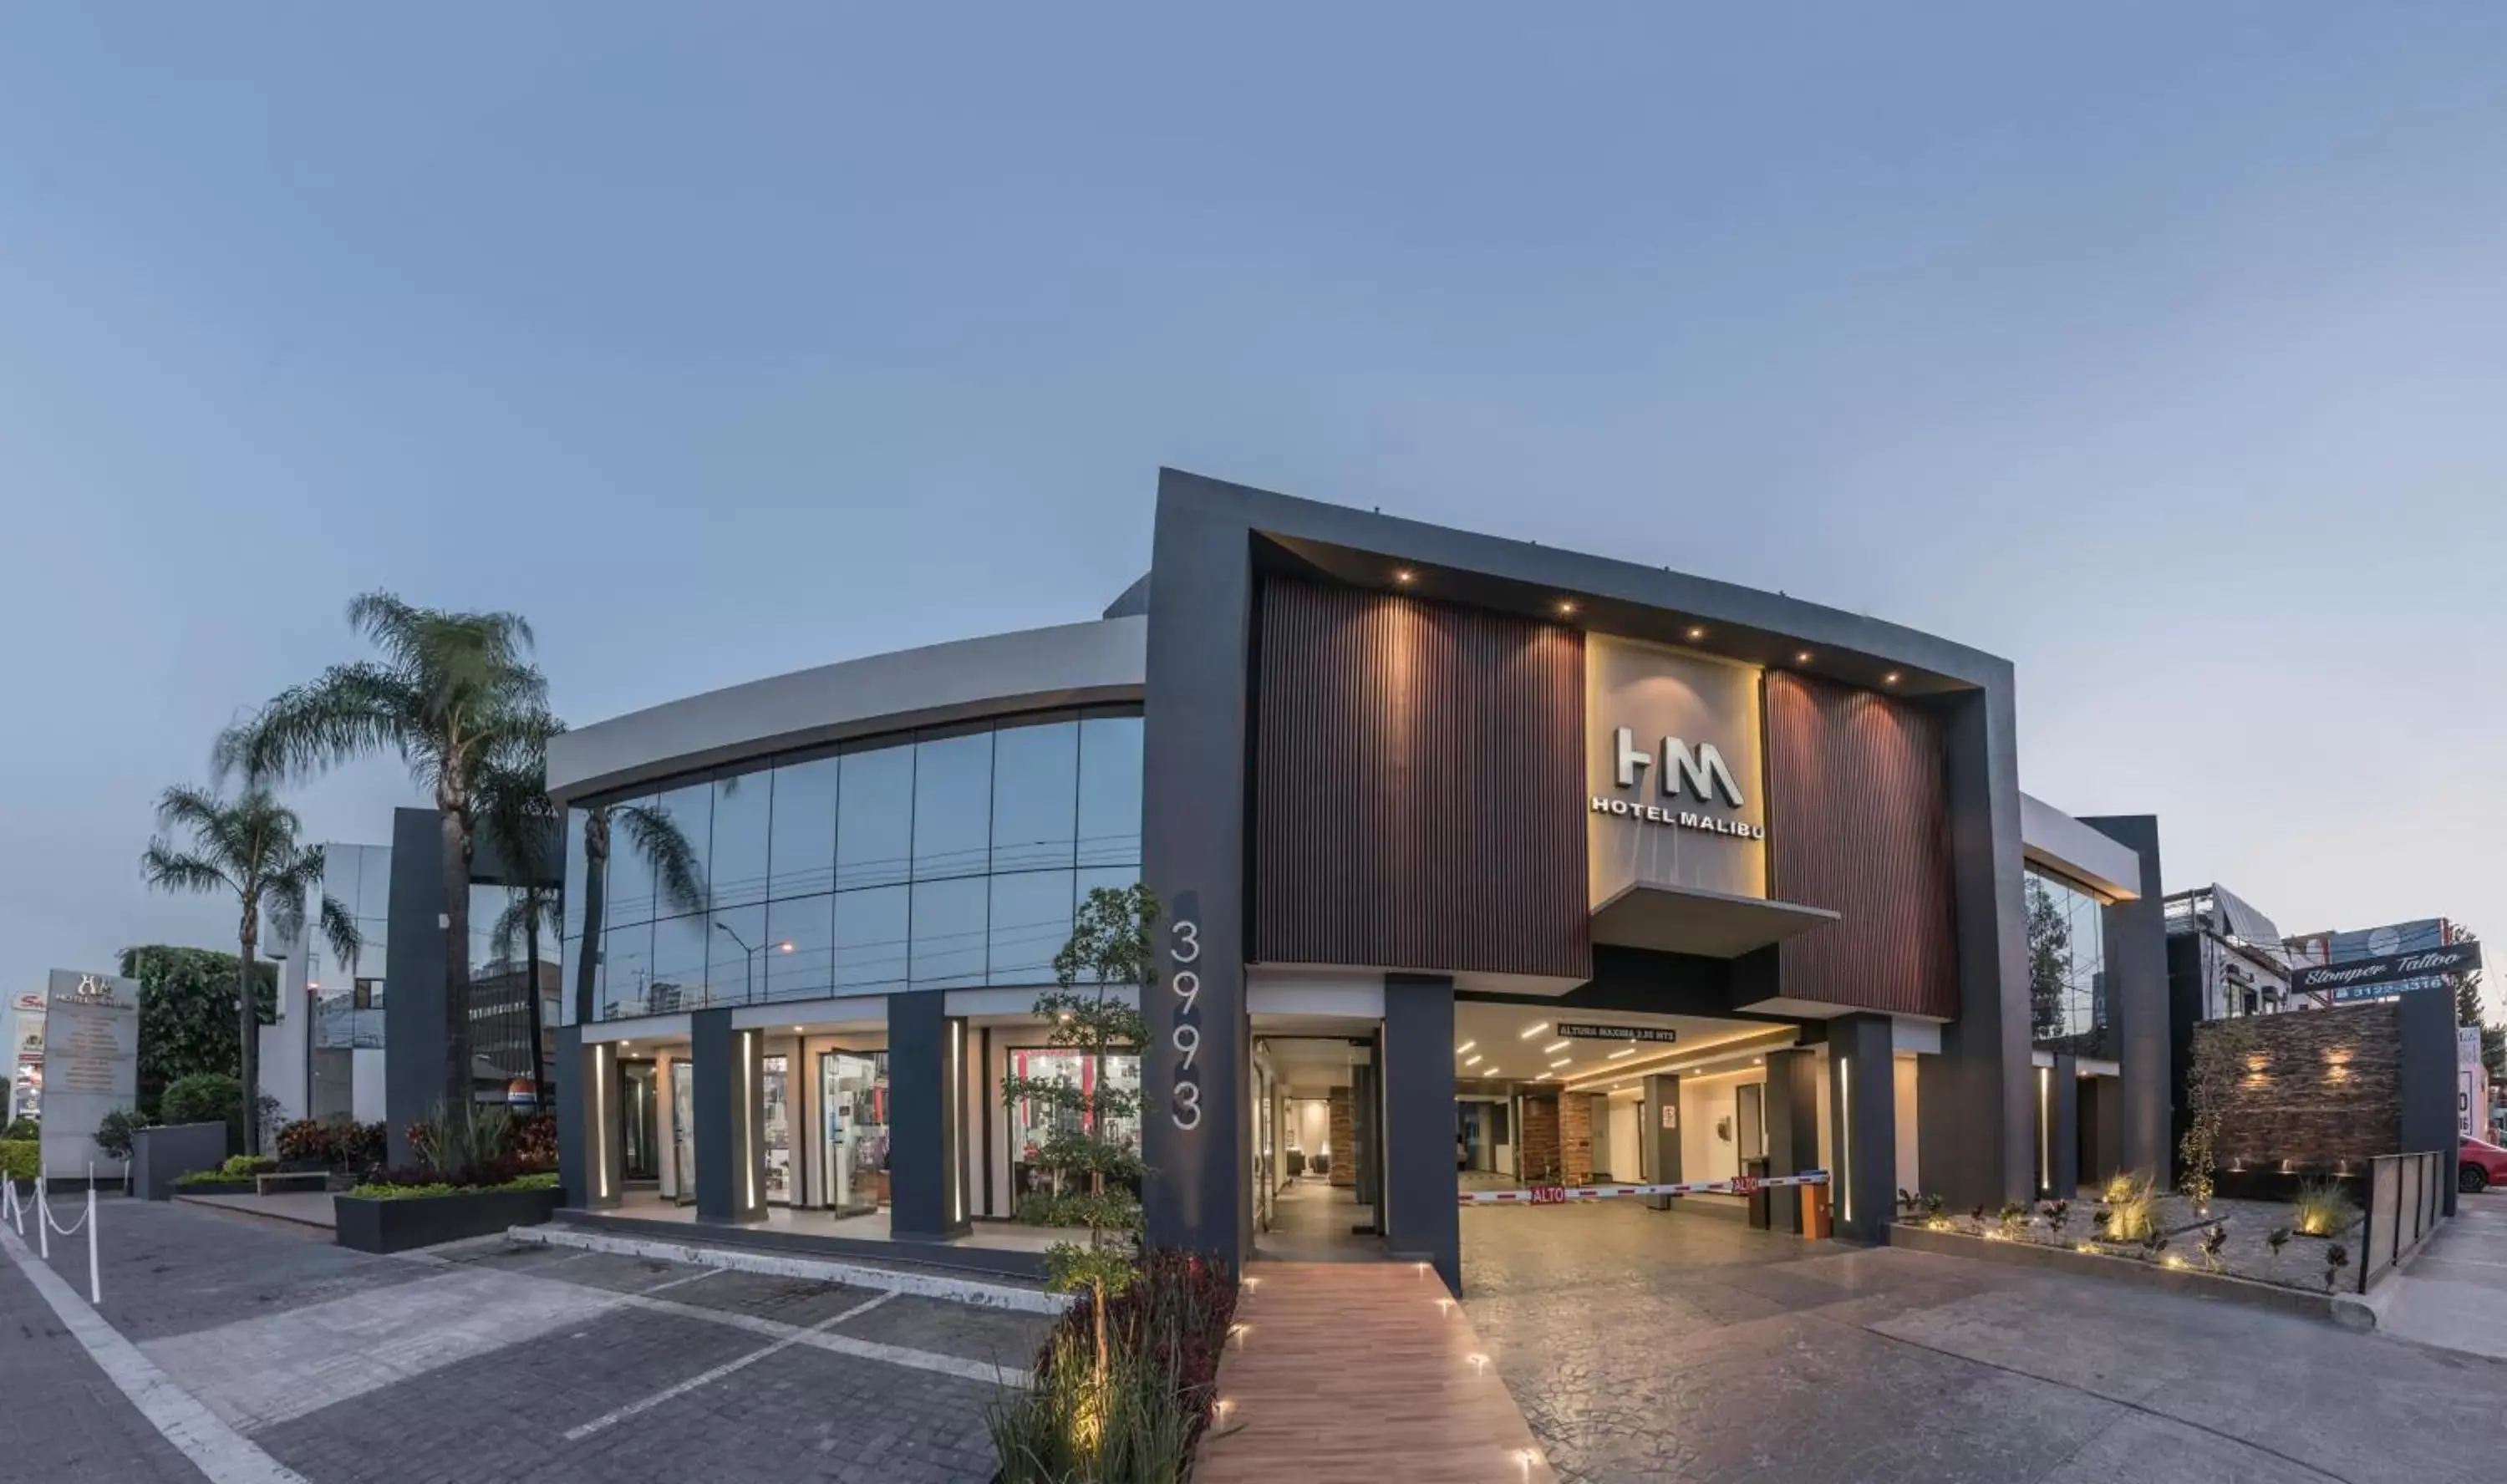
x: 1563, y: 1195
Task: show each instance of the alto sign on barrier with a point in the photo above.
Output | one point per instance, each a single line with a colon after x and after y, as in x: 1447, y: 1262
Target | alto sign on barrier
x: 1565, y: 1195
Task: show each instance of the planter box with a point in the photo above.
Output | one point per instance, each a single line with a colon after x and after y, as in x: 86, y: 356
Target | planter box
x: 214, y: 1187
x: 369, y: 1225
x: 159, y: 1155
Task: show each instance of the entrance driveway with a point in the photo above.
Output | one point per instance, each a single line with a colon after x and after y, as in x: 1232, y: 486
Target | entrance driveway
x: 1648, y: 1345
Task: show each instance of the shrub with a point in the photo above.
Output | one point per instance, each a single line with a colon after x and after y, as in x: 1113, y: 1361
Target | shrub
x: 1164, y: 1334
x: 20, y: 1159
x: 244, y: 1167
x: 114, y: 1130
x: 206, y: 1096
x: 534, y: 1139
x: 305, y: 1140
x: 2132, y: 1209
x: 358, y: 1145
x: 2324, y: 1208
x: 389, y: 1188
x: 21, y: 1129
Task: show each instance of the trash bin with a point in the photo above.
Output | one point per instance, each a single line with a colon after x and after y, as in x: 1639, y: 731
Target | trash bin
x: 1757, y: 1169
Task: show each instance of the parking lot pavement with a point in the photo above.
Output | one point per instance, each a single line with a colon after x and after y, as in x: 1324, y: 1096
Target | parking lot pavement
x: 1652, y: 1345
x: 492, y: 1360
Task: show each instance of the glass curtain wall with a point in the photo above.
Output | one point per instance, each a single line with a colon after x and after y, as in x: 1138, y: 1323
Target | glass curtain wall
x: 942, y: 859
x: 2067, y: 978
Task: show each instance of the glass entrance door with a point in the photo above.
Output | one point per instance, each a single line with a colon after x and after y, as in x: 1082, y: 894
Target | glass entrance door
x: 853, y: 1133
x: 639, y: 1106
x: 684, y: 1144
x: 777, y: 1085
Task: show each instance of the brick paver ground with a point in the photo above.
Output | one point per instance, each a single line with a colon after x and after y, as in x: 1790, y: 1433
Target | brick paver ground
x: 476, y: 1361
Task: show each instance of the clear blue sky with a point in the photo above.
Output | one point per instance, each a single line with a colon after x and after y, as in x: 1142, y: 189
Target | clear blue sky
x: 2157, y: 347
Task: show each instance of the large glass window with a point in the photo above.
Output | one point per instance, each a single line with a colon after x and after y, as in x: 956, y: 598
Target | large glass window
x: 871, y: 940
x: 1032, y: 1121
x: 953, y: 790
x: 1109, y: 791
x: 948, y: 933
x: 741, y: 806
x: 955, y: 858
x: 802, y: 857
x: 1036, y: 772
x: 2067, y: 999
x: 1030, y: 921
x: 875, y: 818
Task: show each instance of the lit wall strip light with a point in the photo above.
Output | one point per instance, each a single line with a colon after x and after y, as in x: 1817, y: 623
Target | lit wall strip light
x: 2044, y: 1128
x: 1846, y: 1135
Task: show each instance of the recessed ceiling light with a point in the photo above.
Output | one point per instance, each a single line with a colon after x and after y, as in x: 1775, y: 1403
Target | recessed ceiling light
x: 1802, y: 657
x: 1561, y: 1061
x: 1465, y: 1046
x: 1566, y: 605
x: 1535, y: 1030
x: 1470, y: 1061
x: 1615, y: 1055
x: 1404, y: 575
x: 1697, y: 631
x: 1891, y: 678
x: 1553, y: 1048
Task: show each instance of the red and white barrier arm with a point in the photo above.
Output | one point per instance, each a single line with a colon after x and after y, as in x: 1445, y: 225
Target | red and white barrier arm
x: 1563, y: 1195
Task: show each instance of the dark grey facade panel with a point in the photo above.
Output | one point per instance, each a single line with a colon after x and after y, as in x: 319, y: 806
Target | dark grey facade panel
x: 1423, y: 1218
x: 2136, y: 958
x: 1973, y: 1108
x: 414, y: 964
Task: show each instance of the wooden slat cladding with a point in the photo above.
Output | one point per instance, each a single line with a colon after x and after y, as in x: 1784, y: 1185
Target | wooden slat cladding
x: 1418, y: 776
x: 1858, y: 822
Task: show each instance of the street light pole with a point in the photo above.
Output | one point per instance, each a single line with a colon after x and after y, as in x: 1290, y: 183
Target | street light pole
x: 750, y: 979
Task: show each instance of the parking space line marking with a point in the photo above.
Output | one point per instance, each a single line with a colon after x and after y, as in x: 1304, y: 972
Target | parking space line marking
x: 839, y: 1344
x: 672, y: 1282
x: 221, y: 1453
x: 716, y: 1373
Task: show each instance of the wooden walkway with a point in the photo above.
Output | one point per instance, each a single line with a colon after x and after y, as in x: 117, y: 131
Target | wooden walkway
x: 1363, y: 1372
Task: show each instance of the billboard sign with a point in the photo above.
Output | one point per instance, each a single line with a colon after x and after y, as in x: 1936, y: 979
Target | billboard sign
x: 2387, y: 974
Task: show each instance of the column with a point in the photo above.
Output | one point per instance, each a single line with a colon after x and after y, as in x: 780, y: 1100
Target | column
x: 1863, y: 1125
x: 1793, y: 1130
x: 1660, y: 1135
x: 925, y: 1190
x: 2058, y: 1128
x: 728, y: 1087
x: 589, y: 1154
x: 1422, y: 1215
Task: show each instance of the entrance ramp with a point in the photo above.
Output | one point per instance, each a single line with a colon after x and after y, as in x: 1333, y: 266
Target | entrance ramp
x: 1361, y: 1372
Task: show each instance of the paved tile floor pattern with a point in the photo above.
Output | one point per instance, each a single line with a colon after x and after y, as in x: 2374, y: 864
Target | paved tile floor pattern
x: 475, y: 1362
x: 1646, y: 1345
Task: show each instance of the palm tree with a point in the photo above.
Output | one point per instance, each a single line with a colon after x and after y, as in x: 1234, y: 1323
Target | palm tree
x: 247, y: 847
x: 454, y: 695
x: 652, y: 834
x: 518, y: 819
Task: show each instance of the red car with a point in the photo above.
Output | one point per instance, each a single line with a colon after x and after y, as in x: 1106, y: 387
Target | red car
x: 2480, y: 1165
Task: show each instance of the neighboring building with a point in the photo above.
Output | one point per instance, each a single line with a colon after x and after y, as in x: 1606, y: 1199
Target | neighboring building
x: 1472, y: 854
x: 23, y: 1042
x: 2331, y: 949
x: 336, y: 1005
x: 2224, y: 957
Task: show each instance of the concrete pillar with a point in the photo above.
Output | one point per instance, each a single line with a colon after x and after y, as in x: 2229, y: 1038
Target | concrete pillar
x: 1422, y: 1217
x: 1863, y: 1120
x: 1793, y: 1129
x: 588, y: 1152
x: 2425, y: 1020
x: 730, y: 1095
x: 925, y: 1189
x: 1658, y: 1135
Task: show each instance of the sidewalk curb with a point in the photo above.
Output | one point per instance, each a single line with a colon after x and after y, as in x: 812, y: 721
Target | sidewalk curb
x: 961, y: 1291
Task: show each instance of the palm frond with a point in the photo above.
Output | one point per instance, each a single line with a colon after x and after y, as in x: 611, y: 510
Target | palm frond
x: 341, y: 931
x: 509, y: 938
x: 290, y: 878
x: 349, y: 712
x: 167, y: 869
x: 657, y: 837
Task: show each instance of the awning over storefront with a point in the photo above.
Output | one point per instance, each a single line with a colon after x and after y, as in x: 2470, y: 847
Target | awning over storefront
x: 1685, y: 920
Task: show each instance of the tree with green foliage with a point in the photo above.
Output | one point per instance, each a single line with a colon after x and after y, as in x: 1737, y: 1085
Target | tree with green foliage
x: 188, y: 1018
x: 453, y: 696
x: 1094, y: 1174
x: 208, y: 1096
x: 245, y: 846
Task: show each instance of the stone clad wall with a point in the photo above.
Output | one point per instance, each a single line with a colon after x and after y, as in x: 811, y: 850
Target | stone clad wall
x: 1344, y: 1139
x: 2314, y: 1089
x: 1536, y: 1155
x: 1576, y: 1139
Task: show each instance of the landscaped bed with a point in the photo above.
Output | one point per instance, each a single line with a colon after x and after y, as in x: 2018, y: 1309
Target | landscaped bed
x: 474, y: 1178
x: 2309, y: 1244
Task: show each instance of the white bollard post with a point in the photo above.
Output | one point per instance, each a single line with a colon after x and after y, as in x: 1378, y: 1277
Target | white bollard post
x: 94, y: 1278
x: 42, y: 1222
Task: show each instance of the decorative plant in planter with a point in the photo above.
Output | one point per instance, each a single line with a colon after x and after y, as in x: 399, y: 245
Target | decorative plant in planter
x: 2276, y: 1238
x: 2059, y: 1215
x: 2324, y: 1208
x: 2218, y: 1054
x: 2215, y: 1237
x: 2132, y: 1208
x: 2336, y: 1259
x: 1094, y: 1172
x: 2013, y: 1217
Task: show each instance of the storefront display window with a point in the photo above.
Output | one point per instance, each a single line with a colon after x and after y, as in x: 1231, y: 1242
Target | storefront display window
x: 776, y: 1085
x: 1033, y: 1122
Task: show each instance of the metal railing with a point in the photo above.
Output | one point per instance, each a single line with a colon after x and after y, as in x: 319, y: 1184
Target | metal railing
x: 2406, y: 1201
